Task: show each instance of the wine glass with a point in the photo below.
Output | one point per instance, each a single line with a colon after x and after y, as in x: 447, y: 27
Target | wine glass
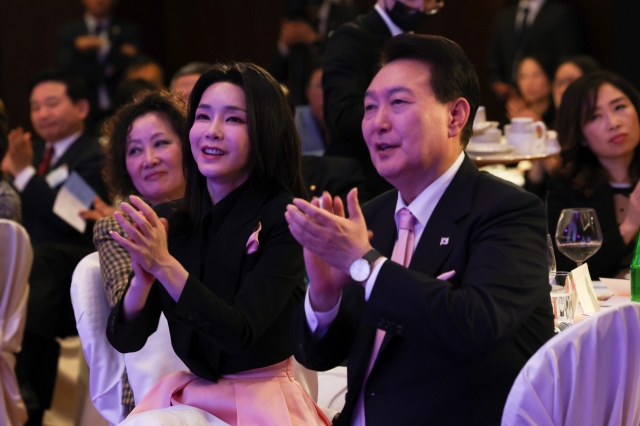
x: 578, y: 235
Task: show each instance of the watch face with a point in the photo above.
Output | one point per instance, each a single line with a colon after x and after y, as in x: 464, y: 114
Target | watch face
x: 360, y: 270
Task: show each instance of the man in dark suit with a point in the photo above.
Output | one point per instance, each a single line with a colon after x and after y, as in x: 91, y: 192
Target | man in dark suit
x: 99, y: 47
x: 303, y: 34
x: 526, y: 27
x: 351, y: 60
x: 437, y: 334
x: 58, y: 107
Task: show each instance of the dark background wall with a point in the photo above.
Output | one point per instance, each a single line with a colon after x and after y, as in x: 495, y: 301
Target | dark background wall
x: 179, y: 31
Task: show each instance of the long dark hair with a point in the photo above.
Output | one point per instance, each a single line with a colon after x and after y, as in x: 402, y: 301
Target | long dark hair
x: 580, y: 166
x: 275, y: 144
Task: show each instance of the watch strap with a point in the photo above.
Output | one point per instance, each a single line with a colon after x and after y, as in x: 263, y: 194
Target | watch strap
x: 371, y: 256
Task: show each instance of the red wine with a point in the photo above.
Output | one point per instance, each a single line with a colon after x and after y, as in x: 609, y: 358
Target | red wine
x: 579, y: 252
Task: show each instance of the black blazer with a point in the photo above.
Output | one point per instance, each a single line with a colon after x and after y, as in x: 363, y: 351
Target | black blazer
x: 452, y: 348
x: 44, y: 226
x: 351, y: 59
x: 234, y: 315
x: 608, y: 260
x: 556, y: 31
x: 110, y: 72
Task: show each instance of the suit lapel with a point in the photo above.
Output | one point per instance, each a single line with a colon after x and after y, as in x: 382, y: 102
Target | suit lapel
x: 441, y: 233
x: 432, y: 250
x: 71, y: 153
x: 227, y: 248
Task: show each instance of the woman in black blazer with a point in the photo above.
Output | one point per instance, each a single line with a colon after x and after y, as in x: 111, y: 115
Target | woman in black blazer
x: 229, y: 275
x: 599, y: 131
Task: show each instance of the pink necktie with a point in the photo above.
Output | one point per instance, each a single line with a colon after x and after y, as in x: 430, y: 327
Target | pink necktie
x: 402, y: 252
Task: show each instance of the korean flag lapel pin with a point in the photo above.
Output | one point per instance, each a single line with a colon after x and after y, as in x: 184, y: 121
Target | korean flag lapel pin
x: 444, y: 241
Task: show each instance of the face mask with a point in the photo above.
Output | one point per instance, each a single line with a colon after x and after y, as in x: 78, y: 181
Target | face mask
x: 406, y: 20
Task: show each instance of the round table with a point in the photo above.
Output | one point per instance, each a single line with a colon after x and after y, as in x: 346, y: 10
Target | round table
x: 487, y: 159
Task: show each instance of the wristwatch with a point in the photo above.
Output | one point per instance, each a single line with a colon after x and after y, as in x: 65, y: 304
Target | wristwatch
x: 360, y: 269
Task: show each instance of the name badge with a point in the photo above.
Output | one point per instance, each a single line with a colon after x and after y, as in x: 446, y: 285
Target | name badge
x: 57, y: 176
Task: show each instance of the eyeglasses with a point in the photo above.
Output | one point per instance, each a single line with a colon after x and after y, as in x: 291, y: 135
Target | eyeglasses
x: 433, y: 6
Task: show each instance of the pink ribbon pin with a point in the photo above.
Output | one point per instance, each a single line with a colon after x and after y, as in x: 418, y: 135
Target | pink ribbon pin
x: 252, y: 242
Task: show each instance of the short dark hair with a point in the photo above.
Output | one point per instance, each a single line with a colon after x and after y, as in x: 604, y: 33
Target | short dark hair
x: 129, y: 89
x: 77, y: 88
x: 580, y: 166
x: 117, y: 128
x: 452, y: 74
x: 272, y: 133
x: 141, y: 61
x: 586, y: 63
x: 190, y: 68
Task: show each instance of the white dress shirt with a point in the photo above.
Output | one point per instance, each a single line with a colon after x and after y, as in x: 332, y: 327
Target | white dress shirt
x: 421, y: 208
x: 393, y: 28
x: 534, y: 7
x: 21, y: 180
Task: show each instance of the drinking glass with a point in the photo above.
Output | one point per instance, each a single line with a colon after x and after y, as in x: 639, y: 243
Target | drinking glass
x: 578, y: 235
x: 551, y: 258
x: 562, y: 298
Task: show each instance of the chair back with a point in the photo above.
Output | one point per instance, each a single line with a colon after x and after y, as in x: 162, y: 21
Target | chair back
x: 588, y: 374
x: 16, y: 258
x: 106, y: 365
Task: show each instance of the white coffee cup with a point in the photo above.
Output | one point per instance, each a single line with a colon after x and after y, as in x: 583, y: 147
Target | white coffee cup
x: 481, y: 115
x: 490, y: 135
x: 526, y: 136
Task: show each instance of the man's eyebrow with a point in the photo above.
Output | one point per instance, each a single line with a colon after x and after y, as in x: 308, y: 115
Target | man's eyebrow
x: 47, y: 98
x: 391, y: 91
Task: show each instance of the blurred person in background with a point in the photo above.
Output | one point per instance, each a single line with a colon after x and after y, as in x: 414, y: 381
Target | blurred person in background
x: 570, y: 70
x: 533, y: 100
x: 144, y: 67
x: 599, y: 131
x: 303, y: 34
x: 99, y: 46
x: 529, y: 26
x: 39, y: 168
x: 185, y: 78
x: 310, y: 118
x: 10, y: 207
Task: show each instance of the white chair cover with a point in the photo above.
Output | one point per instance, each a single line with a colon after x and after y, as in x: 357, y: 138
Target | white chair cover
x: 587, y: 375
x: 16, y: 257
x: 106, y: 365
x: 178, y: 415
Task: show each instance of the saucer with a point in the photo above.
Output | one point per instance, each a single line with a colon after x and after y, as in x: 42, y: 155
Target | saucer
x: 488, y: 148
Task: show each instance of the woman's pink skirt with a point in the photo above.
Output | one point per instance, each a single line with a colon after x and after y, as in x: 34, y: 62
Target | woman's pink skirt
x: 264, y: 396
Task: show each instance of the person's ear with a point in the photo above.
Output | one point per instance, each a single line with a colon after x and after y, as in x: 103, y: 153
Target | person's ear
x: 459, y: 111
x: 83, y: 107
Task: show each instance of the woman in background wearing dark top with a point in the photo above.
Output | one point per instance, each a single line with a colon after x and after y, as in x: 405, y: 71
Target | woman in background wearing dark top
x: 569, y: 70
x: 535, y: 72
x: 599, y: 131
x: 229, y: 276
